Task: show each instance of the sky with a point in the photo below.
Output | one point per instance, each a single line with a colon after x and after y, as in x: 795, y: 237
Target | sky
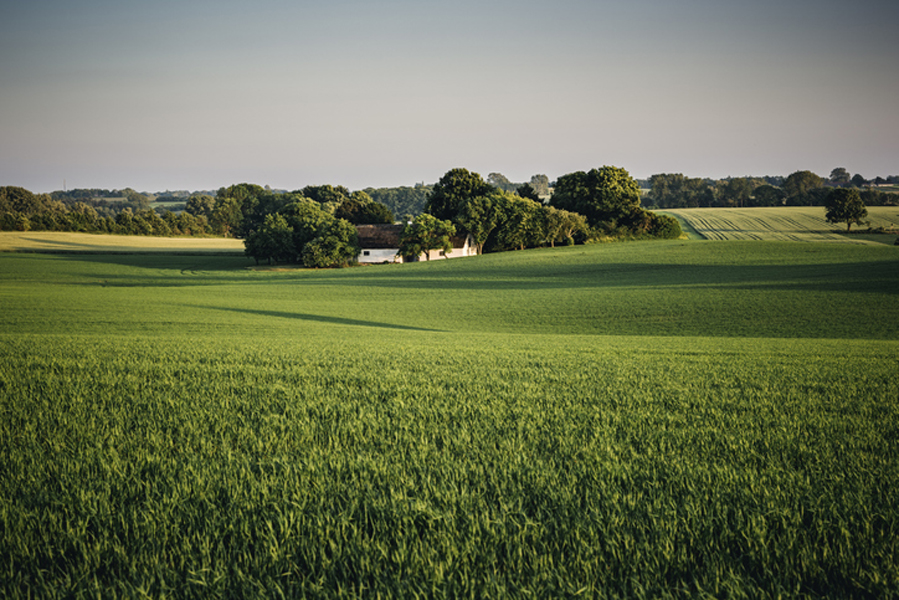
x: 200, y: 94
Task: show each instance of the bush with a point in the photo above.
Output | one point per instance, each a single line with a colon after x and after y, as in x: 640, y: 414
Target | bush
x: 664, y: 227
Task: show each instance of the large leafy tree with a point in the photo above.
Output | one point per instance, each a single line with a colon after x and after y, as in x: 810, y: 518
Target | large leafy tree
x: 523, y: 224
x: 480, y: 216
x: 227, y: 216
x: 235, y: 206
x: 272, y: 241
x: 307, y: 219
x: 200, y: 205
x: 424, y: 234
x: 453, y: 191
x: 360, y: 209
x: 800, y: 187
x: 839, y: 176
x: 336, y: 245
x: 844, y: 205
x: 540, y: 183
x: 603, y: 195
x: 562, y: 225
x: 329, y: 196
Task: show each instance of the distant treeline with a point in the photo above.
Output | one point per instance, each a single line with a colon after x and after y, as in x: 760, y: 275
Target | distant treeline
x: 92, y: 211
x: 802, y: 188
x: 233, y: 211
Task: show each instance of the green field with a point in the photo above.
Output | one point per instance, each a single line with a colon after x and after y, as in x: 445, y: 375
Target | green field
x: 651, y: 419
x: 791, y: 223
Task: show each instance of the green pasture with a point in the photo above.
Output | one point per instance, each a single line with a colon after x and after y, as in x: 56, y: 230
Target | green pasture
x: 790, y: 223
x: 656, y: 419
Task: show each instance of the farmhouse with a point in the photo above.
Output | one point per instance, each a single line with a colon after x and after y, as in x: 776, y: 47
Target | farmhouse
x: 381, y: 243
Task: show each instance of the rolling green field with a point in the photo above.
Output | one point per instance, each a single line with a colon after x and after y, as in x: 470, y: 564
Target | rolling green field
x: 791, y: 223
x: 716, y: 419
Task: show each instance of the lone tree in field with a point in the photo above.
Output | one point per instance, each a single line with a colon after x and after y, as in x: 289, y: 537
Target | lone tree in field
x: 845, y: 205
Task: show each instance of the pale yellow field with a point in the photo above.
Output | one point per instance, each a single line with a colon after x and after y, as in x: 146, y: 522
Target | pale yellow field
x: 786, y: 223
x: 53, y: 241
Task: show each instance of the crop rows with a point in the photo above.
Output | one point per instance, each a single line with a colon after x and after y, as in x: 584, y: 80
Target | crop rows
x: 790, y: 224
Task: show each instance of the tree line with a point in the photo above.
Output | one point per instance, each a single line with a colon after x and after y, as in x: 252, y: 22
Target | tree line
x: 801, y: 188
x: 86, y: 211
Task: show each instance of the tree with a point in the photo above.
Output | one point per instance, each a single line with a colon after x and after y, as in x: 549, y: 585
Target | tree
x: 767, y: 195
x: 481, y: 215
x: 227, y: 216
x: 540, y: 183
x: 601, y: 195
x: 245, y: 196
x: 528, y: 191
x: 500, y: 181
x: 137, y: 200
x: 200, y: 205
x: 664, y: 227
x: 735, y: 192
x: 307, y: 219
x: 424, y: 234
x: 83, y: 217
x: 858, y: 181
x: 454, y: 189
x: 523, y: 224
x: 844, y: 205
x: 562, y: 225
x: 272, y: 241
x: 402, y: 200
x: 326, y: 194
x: 360, y: 209
x: 839, y: 176
x: 799, y: 187
x: 337, y: 245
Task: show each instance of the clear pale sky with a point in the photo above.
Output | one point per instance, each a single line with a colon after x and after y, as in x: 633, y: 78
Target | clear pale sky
x: 198, y: 94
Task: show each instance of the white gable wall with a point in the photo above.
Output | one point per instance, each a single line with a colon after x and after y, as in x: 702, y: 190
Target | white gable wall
x: 379, y: 255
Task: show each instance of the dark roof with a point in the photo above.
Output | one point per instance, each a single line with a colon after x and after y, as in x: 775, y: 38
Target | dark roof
x: 379, y: 236
x: 388, y: 236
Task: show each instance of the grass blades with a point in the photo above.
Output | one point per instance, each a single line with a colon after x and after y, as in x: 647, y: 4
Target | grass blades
x: 490, y: 427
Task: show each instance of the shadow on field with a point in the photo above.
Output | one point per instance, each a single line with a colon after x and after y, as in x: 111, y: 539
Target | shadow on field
x: 859, y: 277
x: 549, y: 273
x: 318, y: 318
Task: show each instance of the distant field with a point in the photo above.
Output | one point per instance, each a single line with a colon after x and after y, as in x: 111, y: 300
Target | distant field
x: 64, y: 242
x: 633, y: 420
x: 791, y: 223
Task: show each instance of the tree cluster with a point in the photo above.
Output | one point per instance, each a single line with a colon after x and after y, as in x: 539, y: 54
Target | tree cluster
x: 304, y: 232
x: 314, y: 226
x: 602, y: 202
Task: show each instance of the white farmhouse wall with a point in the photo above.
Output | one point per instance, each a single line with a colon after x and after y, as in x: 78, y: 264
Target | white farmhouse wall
x: 379, y: 255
